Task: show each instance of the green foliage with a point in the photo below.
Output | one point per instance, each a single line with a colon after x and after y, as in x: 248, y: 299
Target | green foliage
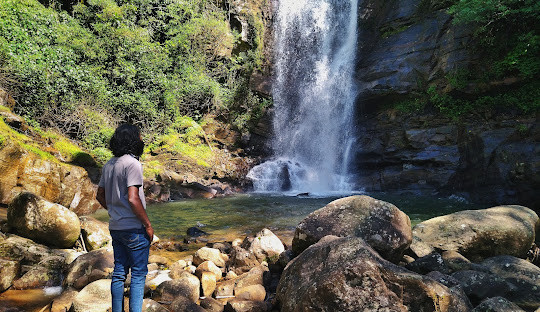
x: 147, y: 62
x: 523, y: 99
x: 507, y: 32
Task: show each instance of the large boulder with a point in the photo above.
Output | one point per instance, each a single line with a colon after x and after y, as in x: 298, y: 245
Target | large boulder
x: 382, y: 225
x: 187, y: 285
x: 92, y: 266
x: 47, y: 273
x: 25, y: 250
x: 95, y: 297
x: 95, y: 233
x: 42, y: 221
x: 523, y: 276
x: 59, y: 183
x: 346, y: 274
x: 478, y: 234
x: 209, y: 254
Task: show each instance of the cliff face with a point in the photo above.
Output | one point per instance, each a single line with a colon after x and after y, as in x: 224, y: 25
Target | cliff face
x: 403, y: 45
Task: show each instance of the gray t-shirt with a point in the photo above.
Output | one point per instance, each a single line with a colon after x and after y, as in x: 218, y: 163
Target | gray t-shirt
x: 117, y: 175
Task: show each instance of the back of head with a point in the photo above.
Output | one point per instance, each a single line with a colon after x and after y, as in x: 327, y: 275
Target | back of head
x: 126, y: 140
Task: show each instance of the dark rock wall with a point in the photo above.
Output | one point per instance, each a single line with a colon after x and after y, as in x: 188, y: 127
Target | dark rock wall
x: 492, y: 162
x: 403, y: 45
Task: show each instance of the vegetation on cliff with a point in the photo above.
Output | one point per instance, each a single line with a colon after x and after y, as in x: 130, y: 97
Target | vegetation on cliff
x: 83, y: 68
x: 506, y: 72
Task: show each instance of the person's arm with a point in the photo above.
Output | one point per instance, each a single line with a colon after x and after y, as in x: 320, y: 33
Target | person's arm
x: 100, y: 196
x: 139, y: 211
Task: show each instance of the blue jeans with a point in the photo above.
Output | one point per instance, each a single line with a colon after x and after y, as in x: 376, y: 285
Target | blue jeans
x: 131, y: 249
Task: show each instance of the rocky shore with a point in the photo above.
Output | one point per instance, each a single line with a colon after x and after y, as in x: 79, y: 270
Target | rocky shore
x: 355, y: 254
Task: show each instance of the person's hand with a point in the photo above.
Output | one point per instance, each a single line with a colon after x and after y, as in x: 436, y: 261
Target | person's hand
x: 150, y: 232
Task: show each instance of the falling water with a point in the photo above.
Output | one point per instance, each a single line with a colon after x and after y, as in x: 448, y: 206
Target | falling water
x: 314, y: 96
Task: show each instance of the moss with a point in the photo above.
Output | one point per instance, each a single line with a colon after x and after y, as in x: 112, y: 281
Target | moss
x: 152, y: 169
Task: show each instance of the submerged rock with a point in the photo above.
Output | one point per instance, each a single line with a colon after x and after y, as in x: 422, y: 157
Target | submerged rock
x: 43, y: 221
x: 346, y: 274
x: 478, y: 234
x: 382, y: 225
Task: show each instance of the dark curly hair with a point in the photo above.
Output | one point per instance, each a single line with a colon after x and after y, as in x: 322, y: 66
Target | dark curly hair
x: 126, y: 140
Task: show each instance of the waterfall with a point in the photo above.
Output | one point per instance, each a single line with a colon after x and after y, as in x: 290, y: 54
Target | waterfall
x: 314, y: 95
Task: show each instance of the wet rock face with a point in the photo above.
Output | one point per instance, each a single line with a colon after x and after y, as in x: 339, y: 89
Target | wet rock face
x: 479, y: 234
x: 401, y: 43
x: 345, y: 274
x: 490, y: 162
x: 43, y: 221
x: 382, y: 225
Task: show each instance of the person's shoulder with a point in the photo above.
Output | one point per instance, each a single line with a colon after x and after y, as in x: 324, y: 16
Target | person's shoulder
x: 128, y: 160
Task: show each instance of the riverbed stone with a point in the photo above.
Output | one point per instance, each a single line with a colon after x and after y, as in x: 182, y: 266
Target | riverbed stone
x: 63, y: 302
x: 150, y: 305
x: 478, y: 234
x: 209, y: 266
x: 523, y: 276
x: 481, y: 285
x: 95, y: 297
x: 47, y: 273
x: 382, y: 225
x: 184, y: 304
x: 25, y: 250
x: 95, y: 233
x: 242, y: 260
x: 208, y: 283
x: 253, y: 292
x: 187, y: 285
x: 92, y: 266
x: 42, y: 221
x: 497, y: 304
x: 428, y: 263
x: 212, y: 305
x: 265, y: 246
x: 240, y: 305
x: 9, y: 270
x: 209, y: 254
x: 346, y: 274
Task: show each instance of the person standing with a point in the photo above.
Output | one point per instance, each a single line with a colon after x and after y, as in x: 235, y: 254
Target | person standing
x: 120, y: 192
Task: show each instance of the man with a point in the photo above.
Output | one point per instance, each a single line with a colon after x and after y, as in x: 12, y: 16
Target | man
x: 120, y: 192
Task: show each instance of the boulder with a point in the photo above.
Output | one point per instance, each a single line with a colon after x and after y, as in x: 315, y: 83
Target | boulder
x: 478, y: 234
x: 240, y: 305
x: 346, y: 274
x: 497, y: 304
x: 92, y: 266
x: 523, y: 276
x: 56, y: 182
x: 160, y: 260
x: 212, y: 305
x: 42, y: 221
x: 95, y: 297
x: 25, y: 250
x: 184, y: 304
x: 429, y: 263
x: 95, y: 233
x: 208, y: 283
x: 242, y: 260
x: 187, y: 285
x: 9, y: 270
x: 255, y: 276
x: 150, y: 305
x: 266, y: 246
x: 481, y: 285
x: 47, y: 273
x: 252, y: 292
x: 209, y: 254
x: 382, y: 225
x: 209, y: 266
x: 63, y: 302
